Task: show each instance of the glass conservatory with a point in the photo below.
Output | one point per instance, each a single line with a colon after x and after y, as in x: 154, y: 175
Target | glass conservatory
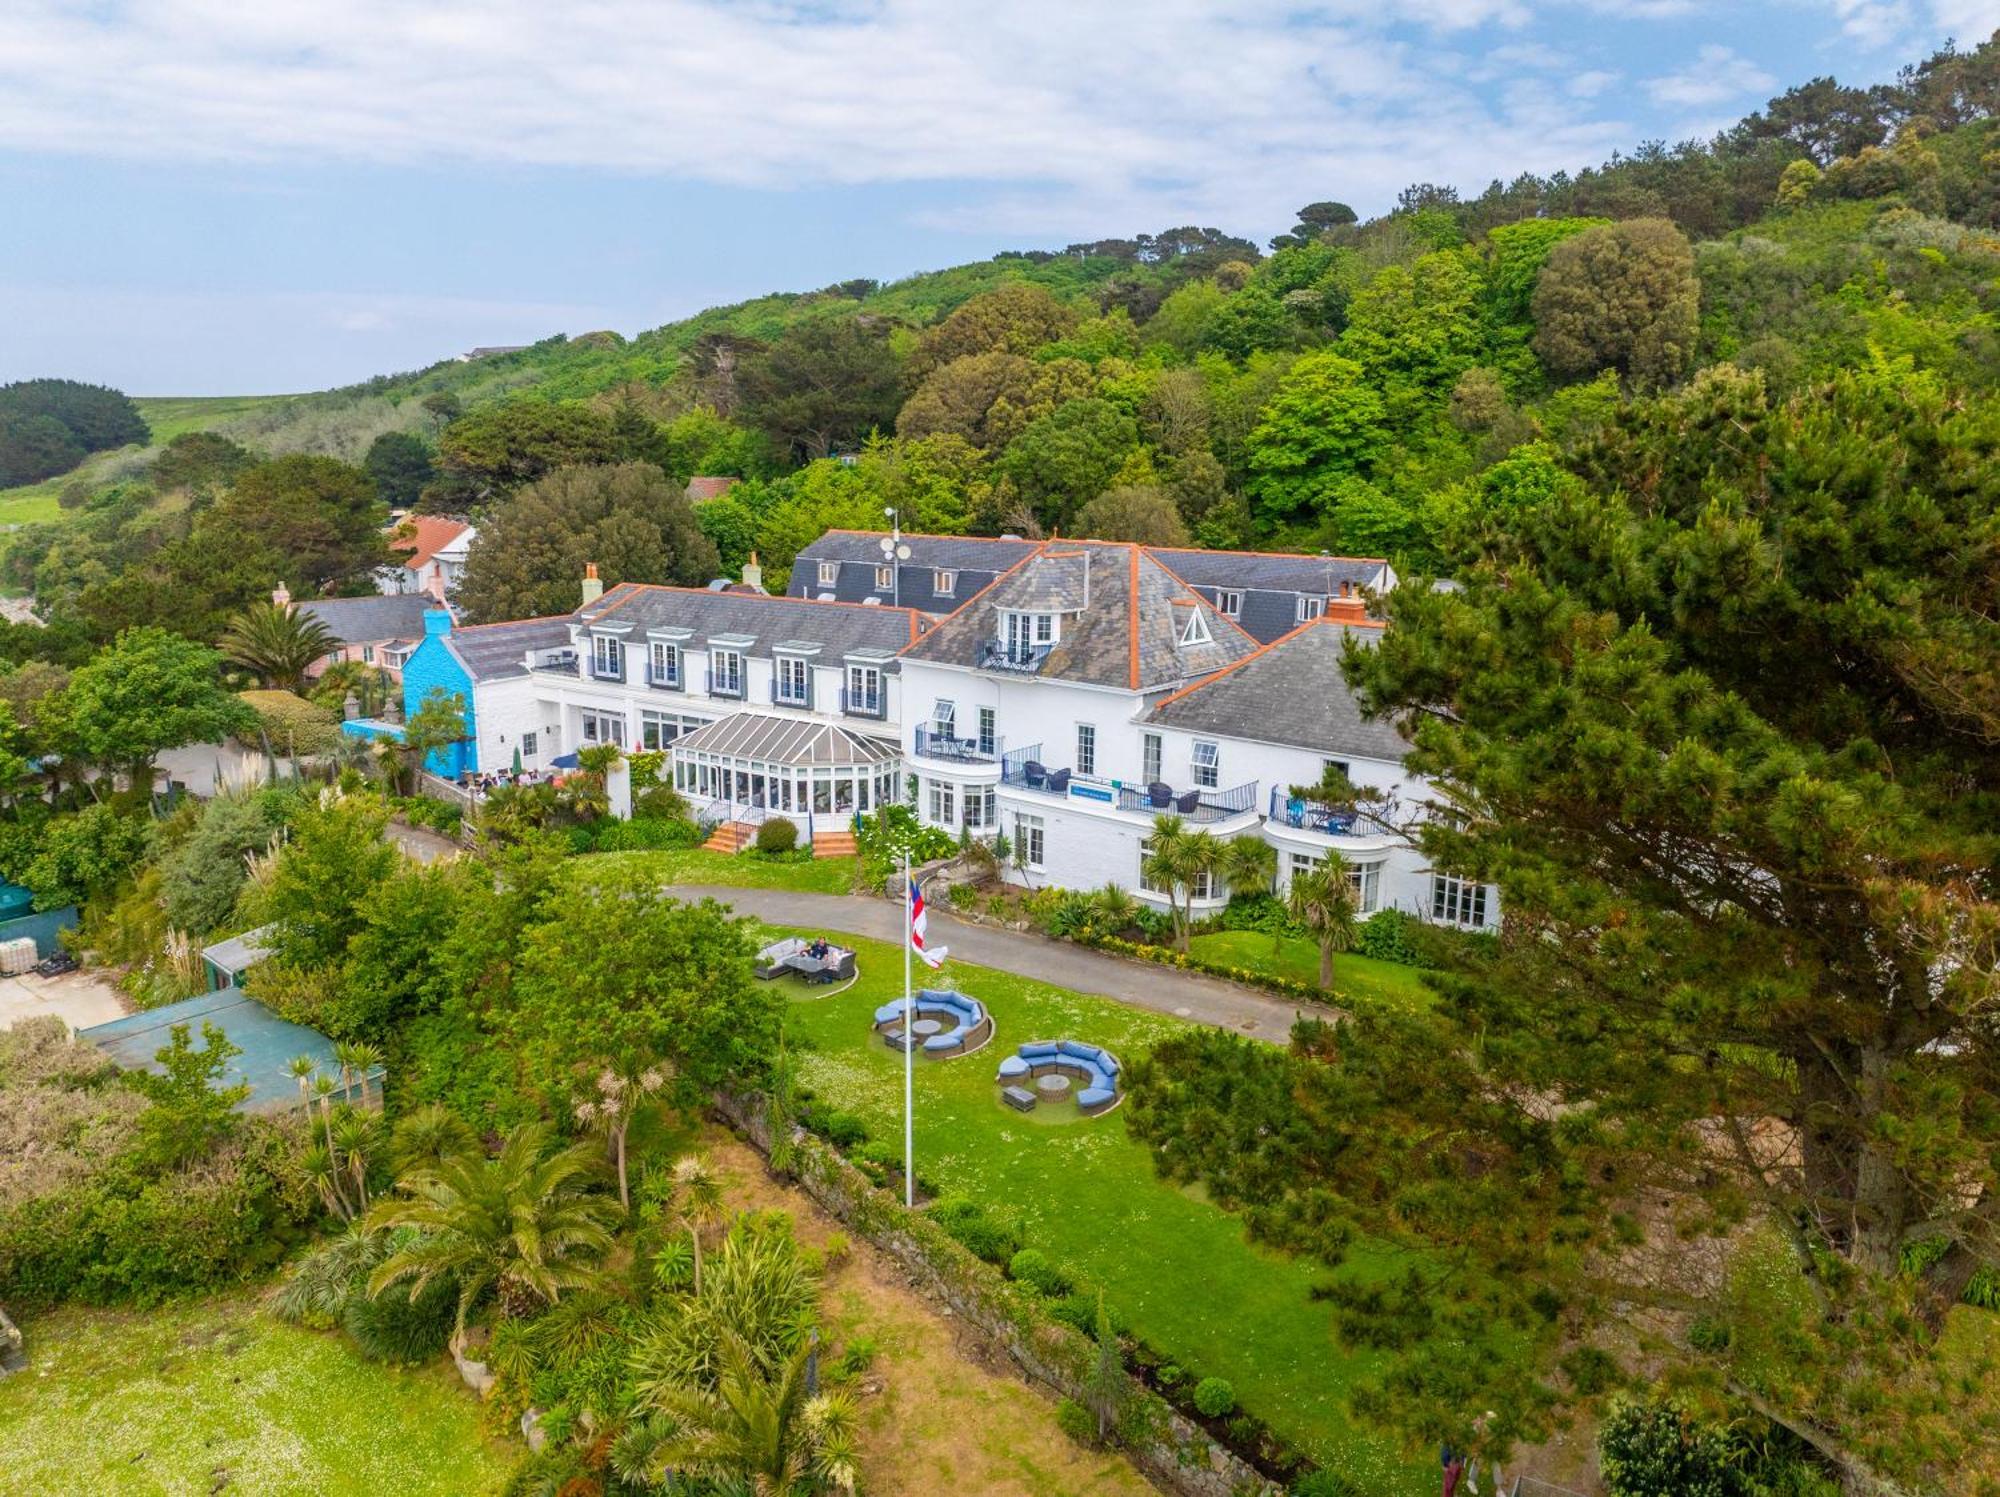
x: 753, y: 761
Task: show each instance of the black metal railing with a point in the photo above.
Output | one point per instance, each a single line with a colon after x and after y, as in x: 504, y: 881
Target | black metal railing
x: 932, y: 744
x: 864, y: 703
x: 728, y: 686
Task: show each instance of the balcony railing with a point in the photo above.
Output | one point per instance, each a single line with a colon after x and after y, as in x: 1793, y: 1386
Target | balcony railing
x: 780, y: 697
x: 931, y: 744
x: 598, y: 675
x: 664, y: 680
x: 558, y: 667
x: 727, y: 686
x: 864, y: 703
x: 1310, y: 815
x: 995, y: 656
x: 1023, y: 769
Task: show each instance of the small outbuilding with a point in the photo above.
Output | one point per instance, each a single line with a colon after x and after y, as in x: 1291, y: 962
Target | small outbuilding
x: 227, y: 961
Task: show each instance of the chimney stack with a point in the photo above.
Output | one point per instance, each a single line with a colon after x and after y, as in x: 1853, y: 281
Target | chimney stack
x: 592, y: 588
x: 753, y: 575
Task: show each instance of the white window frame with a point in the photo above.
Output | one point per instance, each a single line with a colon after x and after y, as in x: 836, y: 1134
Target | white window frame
x: 663, y: 664
x: 368, y: 654
x: 829, y: 574
x: 1310, y: 608
x: 1229, y: 602
x: 1365, y: 879
x: 530, y: 745
x: 944, y: 718
x: 800, y: 670
x: 1151, y: 757
x: 1205, y: 764
x: 1086, y: 748
x: 607, y: 657
x: 944, y: 583
x: 864, y: 681
x: 1457, y: 901
x: 978, y: 807
x: 1045, y: 628
x: 717, y: 670
x: 943, y: 803
x: 989, y: 737
x: 595, y: 723
x: 1031, y: 841
x: 885, y: 579
x: 1195, y: 630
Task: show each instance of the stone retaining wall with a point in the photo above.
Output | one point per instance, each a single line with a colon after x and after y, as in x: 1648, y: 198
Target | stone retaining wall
x: 1172, y: 1452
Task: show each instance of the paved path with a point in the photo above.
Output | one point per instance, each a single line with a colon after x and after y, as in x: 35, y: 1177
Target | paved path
x: 1166, y: 990
x: 421, y: 843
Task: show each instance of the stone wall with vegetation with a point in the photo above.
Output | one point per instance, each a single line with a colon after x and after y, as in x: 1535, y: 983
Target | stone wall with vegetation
x: 1172, y: 1452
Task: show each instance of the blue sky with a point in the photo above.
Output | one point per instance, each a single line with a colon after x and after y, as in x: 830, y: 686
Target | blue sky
x: 227, y: 196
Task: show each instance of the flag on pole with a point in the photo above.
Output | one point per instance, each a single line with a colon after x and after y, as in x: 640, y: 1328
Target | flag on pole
x: 918, y: 921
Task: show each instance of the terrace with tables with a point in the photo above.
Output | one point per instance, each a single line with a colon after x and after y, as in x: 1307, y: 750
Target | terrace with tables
x: 1024, y: 769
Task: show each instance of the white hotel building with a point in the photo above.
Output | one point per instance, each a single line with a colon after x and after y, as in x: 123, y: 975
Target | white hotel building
x: 1063, y: 692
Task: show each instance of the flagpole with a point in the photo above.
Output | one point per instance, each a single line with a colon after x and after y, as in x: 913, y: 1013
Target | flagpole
x: 909, y: 1044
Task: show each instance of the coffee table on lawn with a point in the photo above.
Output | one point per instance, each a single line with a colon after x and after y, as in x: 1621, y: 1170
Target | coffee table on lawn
x: 1054, y: 1086
x: 1018, y: 1098
x: 925, y: 1028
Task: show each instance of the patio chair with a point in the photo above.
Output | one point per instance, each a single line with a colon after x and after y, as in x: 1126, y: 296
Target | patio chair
x: 1161, y: 794
x: 1188, y: 801
x: 1295, y: 813
x: 1035, y: 773
x: 1059, y: 782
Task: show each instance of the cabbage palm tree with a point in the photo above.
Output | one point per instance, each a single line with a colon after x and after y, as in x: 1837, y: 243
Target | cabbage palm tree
x: 758, y: 1427
x: 1322, y: 900
x: 524, y: 1225
x: 277, y: 642
x: 1177, y: 856
x: 1248, y: 864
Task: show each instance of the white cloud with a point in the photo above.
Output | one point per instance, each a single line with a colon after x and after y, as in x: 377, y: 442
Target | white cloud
x: 1068, y: 112
x: 1592, y: 82
x: 1716, y: 76
x: 1969, y: 21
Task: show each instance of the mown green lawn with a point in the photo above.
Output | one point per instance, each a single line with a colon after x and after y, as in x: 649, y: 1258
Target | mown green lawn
x: 1359, y: 978
x: 171, y: 415
x: 1179, y: 1269
x: 166, y: 1401
x: 697, y: 865
x: 31, y: 503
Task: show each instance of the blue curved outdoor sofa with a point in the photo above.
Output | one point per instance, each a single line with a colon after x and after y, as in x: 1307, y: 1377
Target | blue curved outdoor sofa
x: 970, y: 1024
x: 1094, y: 1068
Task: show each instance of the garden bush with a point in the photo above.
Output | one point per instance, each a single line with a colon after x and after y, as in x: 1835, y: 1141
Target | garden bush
x: 777, y: 835
x: 399, y: 1328
x: 1656, y: 1448
x: 1032, y: 1267
x: 289, y: 726
x: 1262, y: 912
x: 1324, y: 1484
x: 1074, y: 1420
x: 428, y: 811
x: 982, y: 1234
x: 1215, y: 1397
x: 640, y: 834
x: 1389, y: 936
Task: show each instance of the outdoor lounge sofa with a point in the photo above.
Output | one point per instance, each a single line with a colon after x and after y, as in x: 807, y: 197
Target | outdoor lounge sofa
x: 793, y: 955
x: 968, y: 1023
x: 1093, y: 1068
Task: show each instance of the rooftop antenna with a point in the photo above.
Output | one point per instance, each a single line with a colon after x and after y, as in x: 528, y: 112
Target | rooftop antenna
x: 894, y: 551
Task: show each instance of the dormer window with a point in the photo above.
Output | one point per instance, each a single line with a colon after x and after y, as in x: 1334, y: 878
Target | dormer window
x: 885, y: 578
x: 1025, y: 634
x: 1310, y: 608
x: 1229, y: 602
x: 1195, y: 631
x: 1045, y: 628
x: 944, y: 584
x: 607, y: 658
x: 829, y: 573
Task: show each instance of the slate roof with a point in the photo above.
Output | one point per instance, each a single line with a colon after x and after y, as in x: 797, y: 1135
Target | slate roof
x: 840, y: 628
x: 1270, y: 581
x: 492, y: 652
x: 975, y: 559
x: 1128, y: 630
x: 788, y: 741
x: 701, y: 488
x: 1289, y: 692
x: 369, y: 620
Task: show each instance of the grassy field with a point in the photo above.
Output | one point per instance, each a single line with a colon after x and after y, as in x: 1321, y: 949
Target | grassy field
x: 165, y: 1401
x: 171, y: 415
x: 1360, y: 978
x: 1180, y: 1270
x: 697, y: 865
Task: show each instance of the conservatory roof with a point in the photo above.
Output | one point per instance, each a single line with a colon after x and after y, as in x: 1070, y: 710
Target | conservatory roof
x: 790, y: 741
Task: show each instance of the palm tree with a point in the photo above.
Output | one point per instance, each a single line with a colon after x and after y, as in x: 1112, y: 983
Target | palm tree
x: 426, y: 1137
x: 1248, y: 864
x: 277, y: 642
x: 301, y: 1068
x: 367, y: 684
x: 697, y: 1201
x: 758, y: 1427
x: 1322, y: 900
x: 524, y: 1225
x: 621, y: 1092
x: 357, y: 1058
x: 1176, y: 860
x: 1115, y: 906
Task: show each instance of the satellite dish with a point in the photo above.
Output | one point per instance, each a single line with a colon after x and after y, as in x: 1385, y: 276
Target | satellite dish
x: 902, y: 553
x: 886, y: 544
